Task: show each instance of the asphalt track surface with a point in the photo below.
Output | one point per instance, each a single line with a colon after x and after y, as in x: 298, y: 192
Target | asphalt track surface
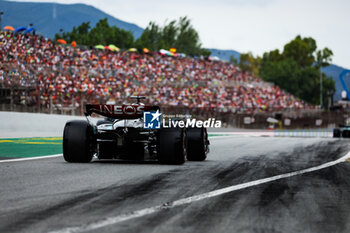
x: 47, y: 195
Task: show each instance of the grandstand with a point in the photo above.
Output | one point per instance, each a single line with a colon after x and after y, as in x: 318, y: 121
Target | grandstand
x: 58, y: 78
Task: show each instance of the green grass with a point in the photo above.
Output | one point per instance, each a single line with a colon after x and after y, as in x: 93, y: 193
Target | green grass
x: 30, y: 147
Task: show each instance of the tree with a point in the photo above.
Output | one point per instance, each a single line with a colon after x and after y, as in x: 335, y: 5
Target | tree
x: 205, y: 52
x: 272, y: 56
x: 168, y: 35
x: 248, y: 63
x: 150, y: 38
x: 176, y: 34
x: 233, y: 60
x: 324, y: 57
x: 187, y: 39
x: 297, y: 69
x: 301, y: 50
x: 102, y: 33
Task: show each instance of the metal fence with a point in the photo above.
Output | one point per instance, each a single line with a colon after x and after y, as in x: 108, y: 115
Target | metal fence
x: 281, y: 120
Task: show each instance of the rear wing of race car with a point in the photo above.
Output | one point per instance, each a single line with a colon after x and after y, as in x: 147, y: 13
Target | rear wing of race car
x: 132, y: 111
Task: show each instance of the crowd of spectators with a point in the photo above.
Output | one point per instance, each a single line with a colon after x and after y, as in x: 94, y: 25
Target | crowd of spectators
x: 64, y: 76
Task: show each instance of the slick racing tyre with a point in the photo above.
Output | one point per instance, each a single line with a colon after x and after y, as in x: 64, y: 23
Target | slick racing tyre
x: 336, y: 133
x: 172, y: 146
x: 77, y: 142
x: 197, y: 144
x: 345, y: 134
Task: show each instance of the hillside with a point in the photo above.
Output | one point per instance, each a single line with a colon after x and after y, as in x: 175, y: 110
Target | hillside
x: 49, y: 18
x: 334, y: 71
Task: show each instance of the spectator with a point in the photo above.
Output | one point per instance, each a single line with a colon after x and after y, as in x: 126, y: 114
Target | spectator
x: 65, y: 75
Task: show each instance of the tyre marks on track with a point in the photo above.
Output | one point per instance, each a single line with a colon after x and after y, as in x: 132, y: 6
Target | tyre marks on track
x: 188, y: 200
x: 97, y: 202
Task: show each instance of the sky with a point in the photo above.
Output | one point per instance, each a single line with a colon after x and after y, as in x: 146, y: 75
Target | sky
x: 255, y: 26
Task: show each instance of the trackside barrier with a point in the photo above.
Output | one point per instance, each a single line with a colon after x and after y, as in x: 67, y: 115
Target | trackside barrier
x: 307, y: 133
x: 291, y: 119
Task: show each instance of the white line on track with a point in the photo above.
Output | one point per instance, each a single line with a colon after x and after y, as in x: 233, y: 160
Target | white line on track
x: 31, y: 158
x: 140, y: 213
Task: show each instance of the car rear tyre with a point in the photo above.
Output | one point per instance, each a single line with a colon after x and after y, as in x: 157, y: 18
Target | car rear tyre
x: 77, y: 142
x: 172, y: 146
x: 336, y: 133
x: 197, y: 145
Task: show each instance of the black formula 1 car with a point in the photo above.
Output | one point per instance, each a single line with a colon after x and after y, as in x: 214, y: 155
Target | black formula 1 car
x: 123, y: 135
x: 342, y: 131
